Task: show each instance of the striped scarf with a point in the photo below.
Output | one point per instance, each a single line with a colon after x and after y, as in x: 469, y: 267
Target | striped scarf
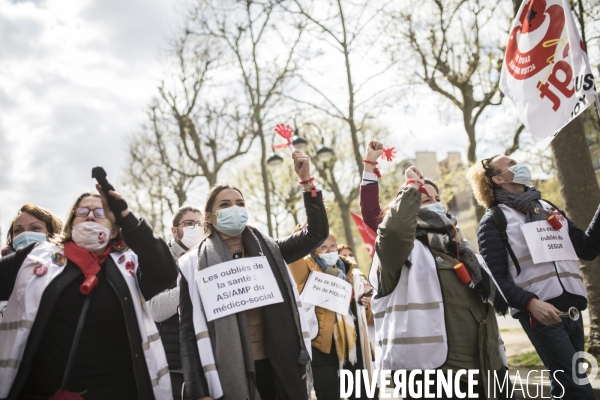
x: 440, y: 232
x: 528, y: 203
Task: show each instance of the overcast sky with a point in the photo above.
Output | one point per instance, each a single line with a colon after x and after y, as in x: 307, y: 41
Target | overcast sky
x: 75, y: 78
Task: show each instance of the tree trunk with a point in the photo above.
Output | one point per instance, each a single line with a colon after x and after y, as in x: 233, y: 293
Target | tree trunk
x: 471, y: 153
x: 580, y: 190
x: 516, y: 5
x: 353, y: 131
x: 347, y: 221
x: 265, y: 177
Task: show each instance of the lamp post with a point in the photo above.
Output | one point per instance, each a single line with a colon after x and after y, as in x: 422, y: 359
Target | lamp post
x: 274, y: 160
x: 324, y: 154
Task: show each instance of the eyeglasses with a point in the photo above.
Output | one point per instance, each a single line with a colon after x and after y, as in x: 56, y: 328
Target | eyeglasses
x: 85, y: 211
x: 190, y: 224
x: 485, y: 163
x: 328, y: 249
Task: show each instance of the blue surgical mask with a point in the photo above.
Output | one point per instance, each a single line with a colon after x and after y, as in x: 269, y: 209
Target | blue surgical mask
x: 437, y: 207
x: 522, y: 174
x: 28, y: 237
x: 330, y: 259
x: 232, y: 220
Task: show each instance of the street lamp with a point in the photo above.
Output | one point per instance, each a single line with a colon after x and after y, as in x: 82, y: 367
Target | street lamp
x: 274, y: 160
x: 324, y: 154
x: 299, y: 142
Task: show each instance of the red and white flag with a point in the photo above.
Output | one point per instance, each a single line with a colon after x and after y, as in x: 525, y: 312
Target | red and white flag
x: 366, y: 233
x: 546, y: 72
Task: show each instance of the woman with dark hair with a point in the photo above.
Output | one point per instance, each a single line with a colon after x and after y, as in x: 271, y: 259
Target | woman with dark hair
x: 435, y: 301
x: 32, y: 224
x: 76, y: 325
x: 537, y: 290
x: 260, y: 352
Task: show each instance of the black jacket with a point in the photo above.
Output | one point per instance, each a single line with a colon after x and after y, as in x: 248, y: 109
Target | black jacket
x: 292, y: 248
x: 157, y: 271
x: 586, y: 244
x: 169, y: 334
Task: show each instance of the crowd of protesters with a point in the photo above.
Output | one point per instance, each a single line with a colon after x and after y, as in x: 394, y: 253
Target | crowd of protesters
x: 99, y: 307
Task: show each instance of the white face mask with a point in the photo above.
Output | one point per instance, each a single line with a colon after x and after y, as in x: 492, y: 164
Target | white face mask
x: 191, y: 236
x: 351, y: 259
x: 330, y: 259
x: 91, y: 236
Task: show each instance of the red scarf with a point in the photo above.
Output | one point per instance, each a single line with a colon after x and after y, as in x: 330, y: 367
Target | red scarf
x: 88, y: 262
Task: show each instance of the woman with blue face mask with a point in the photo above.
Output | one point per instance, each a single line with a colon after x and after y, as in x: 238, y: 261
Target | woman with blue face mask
x: 258, y: 352
x: 31, y: 225
x: 537, y: 292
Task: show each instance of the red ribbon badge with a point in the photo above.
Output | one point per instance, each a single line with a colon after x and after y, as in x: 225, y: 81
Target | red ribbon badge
x: 285, y: 132
x: 389, y: 153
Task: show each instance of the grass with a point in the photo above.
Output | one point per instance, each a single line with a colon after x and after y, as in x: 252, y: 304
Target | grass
x: 526, y: 360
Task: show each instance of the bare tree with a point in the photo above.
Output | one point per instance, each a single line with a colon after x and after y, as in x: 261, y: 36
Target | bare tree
x: 457, y: 53
x: 349, y: 29
x: 339, y: 174
x: 186, y: 116
x: 155, y: 192
x: 260, y: 48
x: 190, y: 133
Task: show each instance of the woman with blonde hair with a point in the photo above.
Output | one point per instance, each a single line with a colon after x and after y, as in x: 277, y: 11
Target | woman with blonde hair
x: 76, y: 325
x: 31, y: 224
x: 537, y: 292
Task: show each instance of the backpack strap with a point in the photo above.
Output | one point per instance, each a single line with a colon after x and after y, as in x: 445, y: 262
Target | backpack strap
x: 501, y: 224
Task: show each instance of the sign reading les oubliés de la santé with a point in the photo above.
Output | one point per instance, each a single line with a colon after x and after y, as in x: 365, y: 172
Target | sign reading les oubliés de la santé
x: 237, y: 285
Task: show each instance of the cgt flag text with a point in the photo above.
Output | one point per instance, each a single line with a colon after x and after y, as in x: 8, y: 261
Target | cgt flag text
x: 546, y: 72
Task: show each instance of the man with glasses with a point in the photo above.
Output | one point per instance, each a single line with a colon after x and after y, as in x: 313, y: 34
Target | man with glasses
x: 187, y: 233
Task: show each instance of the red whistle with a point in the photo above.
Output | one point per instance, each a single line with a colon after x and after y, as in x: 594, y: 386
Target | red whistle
x: 554, y: 222
x: 531, y: 321
x: 462, y: 273
x: 89, y: 284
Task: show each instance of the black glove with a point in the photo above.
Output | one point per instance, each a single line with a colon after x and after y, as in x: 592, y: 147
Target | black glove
x: 116, y: 206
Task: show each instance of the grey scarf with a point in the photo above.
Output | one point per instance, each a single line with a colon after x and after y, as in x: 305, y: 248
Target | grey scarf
x: 441, y: 233
x: 230, y: 338
x: 229, y: 335
x: 527, y: 203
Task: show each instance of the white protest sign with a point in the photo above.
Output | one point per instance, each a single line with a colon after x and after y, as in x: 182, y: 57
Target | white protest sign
x: 547, y: 244
x: 327, y: 291
x: 237, y: 285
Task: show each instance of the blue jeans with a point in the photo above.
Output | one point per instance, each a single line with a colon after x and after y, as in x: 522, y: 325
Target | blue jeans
x: 556, y: 345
